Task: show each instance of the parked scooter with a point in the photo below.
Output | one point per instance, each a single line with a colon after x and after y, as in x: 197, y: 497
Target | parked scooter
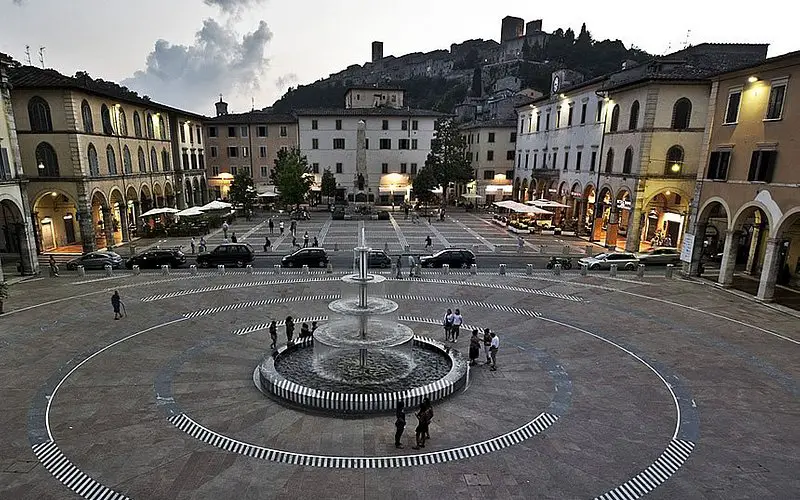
x: 566, y: 262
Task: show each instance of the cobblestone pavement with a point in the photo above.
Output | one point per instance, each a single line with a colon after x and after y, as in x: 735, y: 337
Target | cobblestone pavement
x: 605, y: 388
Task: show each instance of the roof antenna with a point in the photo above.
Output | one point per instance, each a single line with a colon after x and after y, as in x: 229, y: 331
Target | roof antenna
x: 41, y: 56
x: 252, y: 104
x: 28, y: 54
x: 686, y: 43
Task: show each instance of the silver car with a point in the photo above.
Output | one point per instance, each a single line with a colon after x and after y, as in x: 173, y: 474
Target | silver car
x: 623, y: 260
x: 660, y: 256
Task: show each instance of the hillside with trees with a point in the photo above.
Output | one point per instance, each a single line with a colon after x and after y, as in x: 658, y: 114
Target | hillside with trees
x: 564, y: 49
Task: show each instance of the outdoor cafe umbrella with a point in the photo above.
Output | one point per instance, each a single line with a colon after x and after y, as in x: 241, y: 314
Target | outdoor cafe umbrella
x: 216, y: 205
x: 190, y: 212
x: 159, y: 211
x: 547, y: 203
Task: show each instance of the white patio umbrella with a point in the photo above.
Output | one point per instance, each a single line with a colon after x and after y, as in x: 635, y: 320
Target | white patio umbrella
x: 190, y: 212
x: 216, y: 205
x: 547, y: 203
x: 159, y: 211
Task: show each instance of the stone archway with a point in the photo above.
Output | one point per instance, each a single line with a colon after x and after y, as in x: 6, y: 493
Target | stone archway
x: 517, y: 184
x: 663, y: 221
x: 145, y: 199
x: 102, y: 225
x: 589, y: 199
x: 748, y: 247
x: 623, y: 202
x: 56, y: 222
x: 187, y: 190
x: 169, y: 195
x: 532, y: 190
x: 16, y: 238
x: 787, y: 265
x: 119, y: 217
x: 196, y: 194
x: 203, y: 191
x: 158, y: 196
x: 524, y: 191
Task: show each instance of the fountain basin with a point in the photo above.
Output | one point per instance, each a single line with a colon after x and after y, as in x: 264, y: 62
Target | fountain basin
x: 347, y: 334
x: 350, y: 306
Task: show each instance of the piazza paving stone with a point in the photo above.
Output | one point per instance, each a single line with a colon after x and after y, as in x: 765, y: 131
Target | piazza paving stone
x: 650, y: 388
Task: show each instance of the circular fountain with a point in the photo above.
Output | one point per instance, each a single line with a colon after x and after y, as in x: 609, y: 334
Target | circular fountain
x: 361, y: 362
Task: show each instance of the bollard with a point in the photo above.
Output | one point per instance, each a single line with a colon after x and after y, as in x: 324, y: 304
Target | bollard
x: 584, y: 269
x: 529, y: 269
x: 304, y: 270
x: 330, y: 268
x: 566, y: 250
x: 276, y: 269
x: 393, y: 269
x: 193, y: 270
x: 109, y: 270
x: 640, y: 271
x: 445, y: 268
x: 164, y: 270
x: 136, y: 270
x: 220, y: 269
x: 418, y: 270
x: 386, y: 246
x: 335, y: 247
x: 473, y: 269
x: 81, y: 271
x: 670, y: 269
x: 249, y: 269
x: 589, y: 250
x: 612, y: 271
x: 557, y: 270
x: 502, y: 269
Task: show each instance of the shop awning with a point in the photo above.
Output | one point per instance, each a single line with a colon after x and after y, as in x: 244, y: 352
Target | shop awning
x: 522, y: 208
x: 547, y: 203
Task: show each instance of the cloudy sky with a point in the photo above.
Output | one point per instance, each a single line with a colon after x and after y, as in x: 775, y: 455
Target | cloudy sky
x: 186, y: 52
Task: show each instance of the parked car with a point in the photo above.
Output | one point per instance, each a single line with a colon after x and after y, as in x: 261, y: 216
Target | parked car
x: 454, y: 257
x: 660, y: 256
x: 311, y: 257
x: 227, y: 254
x: 378, y: 258
x: 96, y: 260
x: 623, y: 260
x: 154, y: 259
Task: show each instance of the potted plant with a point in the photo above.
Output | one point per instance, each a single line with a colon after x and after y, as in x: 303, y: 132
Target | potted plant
x: 3, y: 294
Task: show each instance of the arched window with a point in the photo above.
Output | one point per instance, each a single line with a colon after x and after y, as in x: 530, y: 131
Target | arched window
x: 153, y: 160
x: 614, y: 119
x: 165, y: 160
x: 609, y: 161
x: 127, y: 164
x: 681, y: 114
x: 105, y: 115
x: 674, y: 163
x: 123, y: 123
x: 162, y: 128
x: 151, y: 134
x: 39, y: 115
x: 111, y: 158
x: 627, y: 162
x: 633, y: 121
x: 94, y: 163
x: 46, y: 157
x: 142, y: 160
x: 137, y: 124
x: 86, y: 115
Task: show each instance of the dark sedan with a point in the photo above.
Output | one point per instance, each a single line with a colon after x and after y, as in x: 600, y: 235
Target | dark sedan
x: 154, y: 259
x: 96, y: 260
x: 378, y: 258
x: 311, y: 257
x: 227, y: 254
x: 454, y: 257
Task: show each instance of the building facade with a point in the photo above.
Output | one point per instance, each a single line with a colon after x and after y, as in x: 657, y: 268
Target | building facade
x: 747, y: 200
x: 491, y: 149
x: 188, y: 139
x: 17, y: 242
x: 374, y: 151
x: 246, y: 142
x: 96, y: 156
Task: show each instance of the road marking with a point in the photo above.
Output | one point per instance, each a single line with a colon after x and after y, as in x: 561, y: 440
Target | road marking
x: 250, y: 232
x: 476, y: 235
x: 264, y: 326
x: 400, y: 236
x: 256, y: 303
x: 439, y: 235
x: 323, y: 231
x: 57, y: 464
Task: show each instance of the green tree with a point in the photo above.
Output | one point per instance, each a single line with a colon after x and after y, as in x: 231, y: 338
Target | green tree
x: 291, y: 178
x: 328, y: 187
x: 448, y: 157
x: 243, y: 192
x: 424, y: 184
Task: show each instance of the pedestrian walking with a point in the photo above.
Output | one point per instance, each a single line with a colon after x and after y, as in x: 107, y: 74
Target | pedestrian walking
x: 280, y: 225
x: 399, y: 424
x: 428, y: 242
x: 457, y: 322
x: 305, y: 240
x: 493, y: 348
x: 225, y: 230
x: 487, y: 344
x: 193, y: 245
x: 267, y: 244
x: 399, y: 267
x: 447, y: 323
x: 273, y: 334
x: 293, y: 227
x: 294, y: 242
x: 289, y: 329
x: 53, y: 267
x: 202, y: 244
x: 424, y: 416
x: 411, y: 266
x: 271, y: 226
x: 316, y: 242
x: 233, y: 237
x: 520, y: 243
x: 116, y: 303
x: 474, y: 348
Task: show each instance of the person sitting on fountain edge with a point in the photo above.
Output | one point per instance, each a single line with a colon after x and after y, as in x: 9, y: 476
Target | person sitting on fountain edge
x: 304, y: 331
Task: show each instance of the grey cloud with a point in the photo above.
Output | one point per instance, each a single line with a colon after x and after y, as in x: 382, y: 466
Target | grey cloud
x: 234, y: 7
x: 285, y: 81
x: 191, y: 76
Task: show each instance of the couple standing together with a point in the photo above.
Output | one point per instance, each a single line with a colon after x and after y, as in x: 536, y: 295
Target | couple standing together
x: 452, y: 325
x: 424, y: 417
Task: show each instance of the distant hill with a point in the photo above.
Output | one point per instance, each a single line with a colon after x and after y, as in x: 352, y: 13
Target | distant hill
x: 531, y: 59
